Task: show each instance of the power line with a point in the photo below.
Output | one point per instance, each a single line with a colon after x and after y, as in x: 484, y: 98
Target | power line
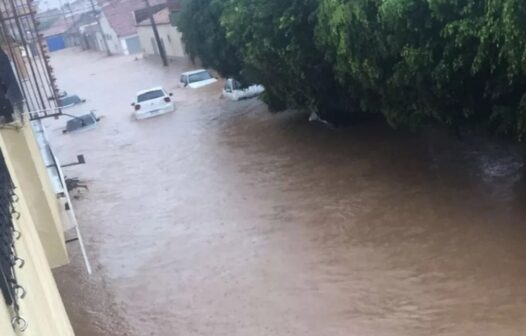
x: 78, y: 11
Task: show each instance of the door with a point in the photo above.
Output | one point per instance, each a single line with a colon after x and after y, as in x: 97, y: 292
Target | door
x: 55, y: 43
x: 133, y: 44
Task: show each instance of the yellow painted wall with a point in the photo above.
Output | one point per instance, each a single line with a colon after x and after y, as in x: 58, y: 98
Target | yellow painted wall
x: 21, y: 147
x: 5, y: 324
x: 42, y: 306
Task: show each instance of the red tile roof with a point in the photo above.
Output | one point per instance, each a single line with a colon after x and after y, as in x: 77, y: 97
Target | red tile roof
x: 161, y: 17
x: 120, y: 14
x: 60, y: 26
x: 174, y: 5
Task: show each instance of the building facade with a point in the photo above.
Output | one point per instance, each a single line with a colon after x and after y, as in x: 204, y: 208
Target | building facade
x: 33, y: 211
x: 32, y: 306
x: 56, y: 36
x: 118, y: 23
x: 32, y: 220
x: 170, y: 36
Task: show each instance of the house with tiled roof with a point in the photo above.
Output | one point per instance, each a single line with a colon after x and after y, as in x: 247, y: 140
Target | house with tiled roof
x: 56, y: 35
x: 64, y: 31
x: 118, y: 23
x: 171, y: 38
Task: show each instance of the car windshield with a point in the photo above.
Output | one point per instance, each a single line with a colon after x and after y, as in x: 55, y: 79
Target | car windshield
x: 200, y: 76
x: 150, y: 95
x: 236, y: 85
x: 69, y: 100
x: 80, y: 122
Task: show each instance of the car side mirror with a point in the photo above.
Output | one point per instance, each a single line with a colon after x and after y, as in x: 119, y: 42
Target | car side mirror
x: 132, y: 104
x: 64, y: 131
x: 170, y: 94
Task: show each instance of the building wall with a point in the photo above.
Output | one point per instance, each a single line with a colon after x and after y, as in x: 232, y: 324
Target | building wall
x: 42, y: 306
x: 170, y: 36
x: 113, y: 40
x: 88, y: 38
x: 132, y: 44
x: 125, y: 46
x: 24, y: 153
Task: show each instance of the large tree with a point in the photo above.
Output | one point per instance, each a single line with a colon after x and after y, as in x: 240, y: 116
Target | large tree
x: 276, y: 42
x: 459, y: 63
x: 204, y: 37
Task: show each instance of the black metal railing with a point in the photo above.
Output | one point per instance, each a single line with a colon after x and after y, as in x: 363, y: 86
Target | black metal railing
x: 28, y: 56
x: 11, y: 290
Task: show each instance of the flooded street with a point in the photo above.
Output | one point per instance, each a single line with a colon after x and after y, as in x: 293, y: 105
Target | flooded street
x: 222, y: 219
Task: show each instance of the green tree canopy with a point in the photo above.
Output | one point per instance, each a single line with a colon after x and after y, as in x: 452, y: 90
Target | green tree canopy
x: 459, y: 63
x: 204, y: 37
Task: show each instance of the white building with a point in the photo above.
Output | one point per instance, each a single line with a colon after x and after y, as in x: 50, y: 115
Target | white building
x: 170, y: 36
x: 118, y: 26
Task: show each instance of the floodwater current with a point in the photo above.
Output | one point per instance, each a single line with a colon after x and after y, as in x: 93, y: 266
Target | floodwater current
x: 223, y: 219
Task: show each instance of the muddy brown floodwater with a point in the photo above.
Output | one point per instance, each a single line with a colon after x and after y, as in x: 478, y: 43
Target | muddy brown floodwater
x: 222, y: 219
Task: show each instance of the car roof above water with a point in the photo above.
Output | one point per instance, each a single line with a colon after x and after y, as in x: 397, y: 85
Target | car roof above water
x: 193, y: 72
x: 157, y: 88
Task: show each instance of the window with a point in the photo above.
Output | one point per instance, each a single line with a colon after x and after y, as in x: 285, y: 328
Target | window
x: 150, y: 95
x: 81, y: 122
x: 69, y: 101
x: 236, y: 85
x: 200, y: 76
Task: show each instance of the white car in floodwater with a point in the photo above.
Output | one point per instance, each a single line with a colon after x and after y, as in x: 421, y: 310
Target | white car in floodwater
x: 196, y: 79
x: 152, y: 102
x: 234, y: 91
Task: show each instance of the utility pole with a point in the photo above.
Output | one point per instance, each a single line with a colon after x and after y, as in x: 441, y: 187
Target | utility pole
x: 94, y: 11
x: 76, y: 33
x: 62, y: 6
x: 160, y: 46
